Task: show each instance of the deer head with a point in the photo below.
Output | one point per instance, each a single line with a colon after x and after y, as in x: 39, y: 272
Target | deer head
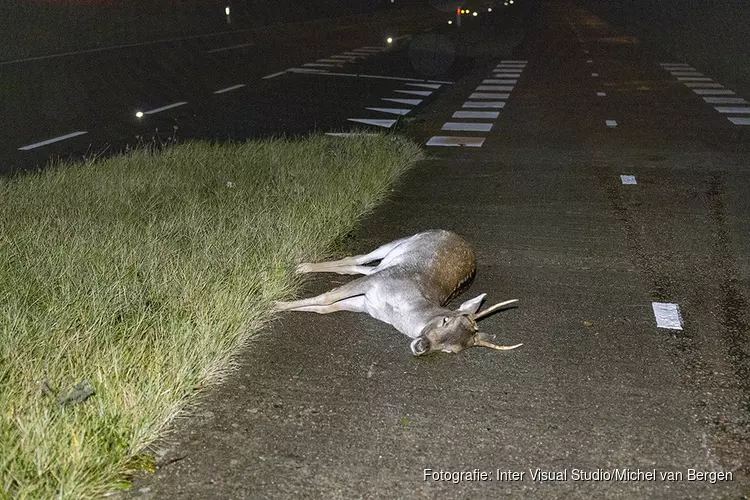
x: 454, y: 331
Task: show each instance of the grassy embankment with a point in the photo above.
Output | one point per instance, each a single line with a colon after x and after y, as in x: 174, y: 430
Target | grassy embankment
x: 141, y: 276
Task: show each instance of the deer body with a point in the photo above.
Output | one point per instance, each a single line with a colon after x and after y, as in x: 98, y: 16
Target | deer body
x: 416, y: 277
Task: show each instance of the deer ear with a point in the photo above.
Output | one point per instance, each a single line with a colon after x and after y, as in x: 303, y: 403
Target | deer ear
x: 419, y: 346
x: 471, y: 306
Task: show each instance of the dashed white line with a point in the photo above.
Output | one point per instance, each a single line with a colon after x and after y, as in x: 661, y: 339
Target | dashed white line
x: 502, y: 81
x: 705, y: 85
x: 228, y: 89
x: 611, y: 123
x: 274, y: 75
x: 601, y: 94
x: 467, y: 127
x: 739, y: 120
x: 50, y: 141
x: 393, y: 111
x: 713, y: 92
x: 693, y: 79
x: 423, y: 93
x: 412, y: 102
x: 377, y: 123
x: 491, y: 115
x: 425, y: 85
x: 484, y: 104
x: 732, y: 109
x: 164, y: 108
x: 594, y: 74
x: 488, y: 95
x: 443, y: 140
x: 232, y: 47
x: 628, y: 179
x: 319, y: 65
x: 506, y: 88
x: 725, y: 100
x: 667, y: 315
x: 503, y: 74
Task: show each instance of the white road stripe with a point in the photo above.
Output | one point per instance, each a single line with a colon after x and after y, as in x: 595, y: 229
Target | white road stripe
x: 484, y: 104
x: 732, y: 109
x: 601, y: 94
x: 739, y: 120
x: 425, y: 85
x: 377, y: 123
x: 667, y: 315
x: 423, y: 93
x: 506, y: 88
x: 503, y: 81
x: 319, y: 65
x: 443, y: 140
x: 705, y: 85
x: 628, y: 179
x: 412, y: 102
x: 694, y: 79
x: 488, y: 95
x: 595, y: 74
x: 611, y: 123
x: 227, y: 89
x: 514, y: 61
x: 686, y: 73
x: 50, y: 141
x: 334, y: 61
x: 725, y: 100
x: 393, y: 111
x: 274, y: 75
x: 306, y: 70
x: 713, y: 92
x: 232, y: 47
x: 672, y: 64
x: 490, y: 115
x: 467, y: 127
x: 339, y: 56
x: 503, y: 74
x: 164, y: 108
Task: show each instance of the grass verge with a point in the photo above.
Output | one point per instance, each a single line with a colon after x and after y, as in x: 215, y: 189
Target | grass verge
x: 139, y: 277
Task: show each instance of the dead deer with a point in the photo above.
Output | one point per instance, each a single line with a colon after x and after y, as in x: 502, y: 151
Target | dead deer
x: 416, y: 277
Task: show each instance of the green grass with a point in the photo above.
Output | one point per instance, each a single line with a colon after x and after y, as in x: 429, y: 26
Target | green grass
x: 143, y: 275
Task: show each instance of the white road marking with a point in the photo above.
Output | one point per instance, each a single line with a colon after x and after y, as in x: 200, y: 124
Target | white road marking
x: 488, y: 95
x: 601, y: 94
x: 594, y: 74
x: 667, y: 315
x: 484, y: 104
x: 412, y: 102
x: 713, y: 92
x: 515, y: 67
x: 425, y: 85
x: 232, y: 47
x: 672, y: 64
x: 423, y: 93
x: 503, y: 74
x: 319, y: 65
x: 335, y: 61
x: 50, y: 141
x: 467, y: 127
x: 115, y: 47
x: 355, y: 54
x: 227, y: 89
x: 705, y: 85
x: 611, y: 123
x: 443, y: 140
x: 693, y: 79
x: 514, y: 61
x: 306, y: 70
x: 506, y: 88
x: 589, y: 61
x: 377, y: 123
x: 491, y: 115
x: 373, y: 48
x: 739, y: 120
x: 339, y: 56
x: 628, y: 179
x: 164, y: 108
x: 684, y: 72
x: 725, y: 100
x: 274, y: 75
x: 393, y: 111
x: 732, y: 109
x: 503, y: 81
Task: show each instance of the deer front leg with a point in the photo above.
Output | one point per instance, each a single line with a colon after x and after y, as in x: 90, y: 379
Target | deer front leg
x: 354, y: 304
x: 350, y: 265
x: 350, y: 290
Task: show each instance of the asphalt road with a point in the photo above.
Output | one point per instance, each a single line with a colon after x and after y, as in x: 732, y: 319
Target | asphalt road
x: 334, y: 406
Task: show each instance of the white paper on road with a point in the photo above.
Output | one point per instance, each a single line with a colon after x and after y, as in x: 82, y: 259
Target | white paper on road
x: 667, y: 315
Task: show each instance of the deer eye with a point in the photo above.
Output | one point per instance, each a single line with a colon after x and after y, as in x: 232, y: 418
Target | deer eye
x: 446, y: 319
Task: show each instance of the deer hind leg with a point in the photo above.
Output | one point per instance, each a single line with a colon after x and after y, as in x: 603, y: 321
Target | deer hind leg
x: 319, y: 303
x: 354, y: 304
x: 351, y: 265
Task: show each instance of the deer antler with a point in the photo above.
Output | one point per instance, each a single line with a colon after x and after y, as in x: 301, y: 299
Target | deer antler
x: 484, y: 343
x: 490, y: 310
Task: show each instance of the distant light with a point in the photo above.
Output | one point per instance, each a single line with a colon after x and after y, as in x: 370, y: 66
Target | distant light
x: 474, y: 14
x: 463, y: 11
x: 450, y: 22
x: 226, y: 10
x: 389, y: 40
x: 510, y: 1
x: 489, y: 9
x: 468, y: 11
x: 139, y: 114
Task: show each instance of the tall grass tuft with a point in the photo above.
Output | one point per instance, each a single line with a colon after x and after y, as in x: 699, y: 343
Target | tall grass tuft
x: 128, y: 285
